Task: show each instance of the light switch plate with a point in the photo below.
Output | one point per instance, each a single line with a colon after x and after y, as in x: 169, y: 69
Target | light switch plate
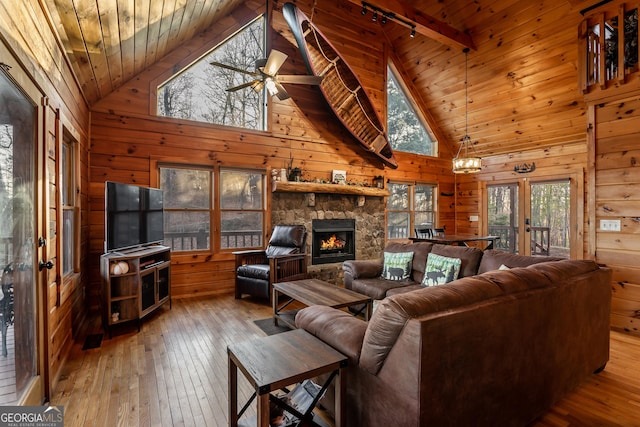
x: 473, y: 218
x: 610, y: 224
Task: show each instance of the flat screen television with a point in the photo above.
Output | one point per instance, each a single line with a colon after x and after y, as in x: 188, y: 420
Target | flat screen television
x: 133, y: 216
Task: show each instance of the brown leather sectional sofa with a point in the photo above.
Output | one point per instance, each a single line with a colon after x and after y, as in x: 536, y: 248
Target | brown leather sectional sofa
x: 495, y: 348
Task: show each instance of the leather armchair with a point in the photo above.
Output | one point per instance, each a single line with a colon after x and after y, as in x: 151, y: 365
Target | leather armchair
x: 284, y: 259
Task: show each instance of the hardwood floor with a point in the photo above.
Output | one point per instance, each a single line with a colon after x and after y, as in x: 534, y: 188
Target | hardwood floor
x: 174, y: 372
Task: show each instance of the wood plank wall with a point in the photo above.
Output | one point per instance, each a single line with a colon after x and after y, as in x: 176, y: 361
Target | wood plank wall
x: 609, y: 166
x: 616, y: 157
x: 25, y: 30
x: 127, y: 138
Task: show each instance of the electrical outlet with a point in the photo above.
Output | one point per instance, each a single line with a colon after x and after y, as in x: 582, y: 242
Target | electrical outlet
x: 473, y: 218
x: 610, y: 224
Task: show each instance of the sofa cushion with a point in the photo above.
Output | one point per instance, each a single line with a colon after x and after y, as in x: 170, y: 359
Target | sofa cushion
x: 469, y: 257
x: 403, y: 289
x: 378, y: 287
x: 339, y: 329
x: 440, y: 269
x: 492, y: 259
x: 397, y: 265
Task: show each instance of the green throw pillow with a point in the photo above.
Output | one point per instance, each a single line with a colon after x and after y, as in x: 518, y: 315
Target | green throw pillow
x: 440, y: 269
x: 397, y: 265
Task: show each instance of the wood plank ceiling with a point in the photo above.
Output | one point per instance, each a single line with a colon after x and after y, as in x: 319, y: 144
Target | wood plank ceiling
x: 109, y: 42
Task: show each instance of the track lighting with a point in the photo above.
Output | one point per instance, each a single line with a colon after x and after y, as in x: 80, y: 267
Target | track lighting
x: 387, y: 15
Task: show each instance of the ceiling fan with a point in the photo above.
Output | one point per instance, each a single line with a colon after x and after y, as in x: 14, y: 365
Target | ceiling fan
x: 266, y: 75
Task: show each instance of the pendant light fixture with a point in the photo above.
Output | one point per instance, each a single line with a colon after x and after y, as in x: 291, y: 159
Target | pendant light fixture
x: 466, y: 161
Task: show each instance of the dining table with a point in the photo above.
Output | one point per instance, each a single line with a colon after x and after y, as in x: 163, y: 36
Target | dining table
x: 459, y: 239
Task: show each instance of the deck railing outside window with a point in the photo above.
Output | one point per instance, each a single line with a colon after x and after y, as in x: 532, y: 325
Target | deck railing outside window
x: 192, y: 241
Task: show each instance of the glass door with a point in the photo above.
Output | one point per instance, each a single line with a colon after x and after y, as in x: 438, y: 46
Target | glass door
x: 549, y: 226
x: 18, y: 299
x: 502, y: 215
x: 537, y: 217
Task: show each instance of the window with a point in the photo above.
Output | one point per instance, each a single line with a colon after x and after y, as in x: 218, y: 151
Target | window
x: 200, y: 91
x: 189, y: 208
x: 70, y: 210
x: 241, y: 209
x: 409, y: 205
x: 406, y: 127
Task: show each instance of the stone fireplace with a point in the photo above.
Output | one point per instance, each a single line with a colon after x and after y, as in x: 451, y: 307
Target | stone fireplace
x: 304, y: 208
x: 332, y: 240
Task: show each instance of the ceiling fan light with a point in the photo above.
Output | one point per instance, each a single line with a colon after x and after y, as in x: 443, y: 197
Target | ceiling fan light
x: 271, y: 86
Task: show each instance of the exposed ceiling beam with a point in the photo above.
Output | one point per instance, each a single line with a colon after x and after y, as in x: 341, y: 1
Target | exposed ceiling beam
x: 426, y: 25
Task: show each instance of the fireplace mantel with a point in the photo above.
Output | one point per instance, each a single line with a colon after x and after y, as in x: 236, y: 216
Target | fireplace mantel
x: 313, y: 187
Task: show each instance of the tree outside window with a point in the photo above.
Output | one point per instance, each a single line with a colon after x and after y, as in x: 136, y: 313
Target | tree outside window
x: 200, y: 91
x: 242, y: 209
x: 409, y: 205
x: 405, y: 126
x: 188, y: 207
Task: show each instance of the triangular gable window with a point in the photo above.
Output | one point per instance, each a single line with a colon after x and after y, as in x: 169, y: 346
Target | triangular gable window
x: 199, y: 92
x: 407, y: 129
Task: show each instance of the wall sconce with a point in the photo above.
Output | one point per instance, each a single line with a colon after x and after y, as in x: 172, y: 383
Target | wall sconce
x: 378, y: 181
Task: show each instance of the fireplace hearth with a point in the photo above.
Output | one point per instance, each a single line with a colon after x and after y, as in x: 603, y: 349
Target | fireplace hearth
x: 333, y: 240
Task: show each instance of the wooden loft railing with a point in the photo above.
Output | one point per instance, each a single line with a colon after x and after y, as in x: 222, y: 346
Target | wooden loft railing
x: 609, y: 50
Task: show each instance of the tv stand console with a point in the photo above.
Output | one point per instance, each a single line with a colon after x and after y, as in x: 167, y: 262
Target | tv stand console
x: 134, y: 284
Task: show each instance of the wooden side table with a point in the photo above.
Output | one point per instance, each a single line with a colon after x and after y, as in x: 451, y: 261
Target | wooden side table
x: 273, y: 362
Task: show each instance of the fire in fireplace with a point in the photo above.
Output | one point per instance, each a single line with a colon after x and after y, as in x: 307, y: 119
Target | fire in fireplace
x: 333, y: 240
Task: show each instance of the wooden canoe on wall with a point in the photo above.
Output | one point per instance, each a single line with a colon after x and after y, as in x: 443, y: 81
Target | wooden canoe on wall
x: 340, y: 86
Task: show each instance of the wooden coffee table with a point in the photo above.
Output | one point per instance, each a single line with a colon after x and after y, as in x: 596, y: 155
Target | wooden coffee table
x: 273, y: 362
x: 315, y: 292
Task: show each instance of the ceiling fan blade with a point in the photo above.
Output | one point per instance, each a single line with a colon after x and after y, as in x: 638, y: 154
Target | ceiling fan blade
x: 243, y: 85
x: 305, y: 80
x: 274, y: 62
x: 258, y: 85
x: 232, y: 68
x: 282, y: 93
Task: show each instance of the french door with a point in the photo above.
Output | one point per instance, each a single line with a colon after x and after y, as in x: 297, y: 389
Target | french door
x: 21, y: 188
x: 535, y: 216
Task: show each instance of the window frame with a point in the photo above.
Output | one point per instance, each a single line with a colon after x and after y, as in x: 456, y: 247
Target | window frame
x: 69, y: 182
x: 165, y: 78
x: 215, y: 212
x: 211, y: 210
x: 263, y: 209
x: 411, y: 209
x: 410, y: 98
